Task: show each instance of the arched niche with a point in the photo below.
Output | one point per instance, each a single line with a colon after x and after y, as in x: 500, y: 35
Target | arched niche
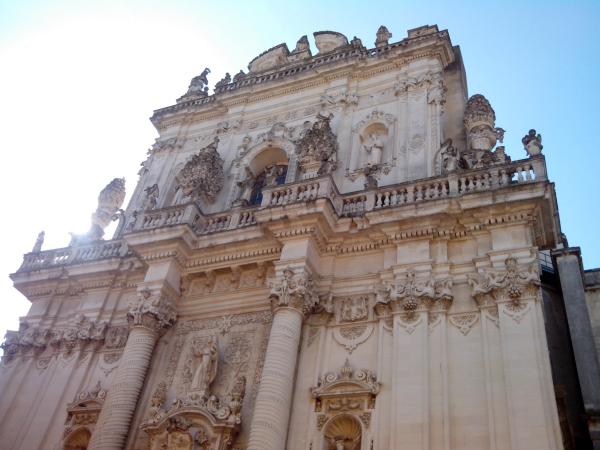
x: 78, y: 439
x: 375, y: 145
x: 263, y: 166
x: 342, y: 432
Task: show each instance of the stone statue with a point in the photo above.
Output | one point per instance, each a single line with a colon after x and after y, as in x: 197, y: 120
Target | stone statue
x: 374, y: 149
x: 224, y: 81
x: 37, y: 247
x: 317, y: 148
x: 532, y: 143
x: 238, y: 76
x: 271, y: 175
x: 198, y: 84
x: 356, y: 43
x: 245, y: 186
x: 449, y: 157
x: 151, y: 197
x: 206, y: 371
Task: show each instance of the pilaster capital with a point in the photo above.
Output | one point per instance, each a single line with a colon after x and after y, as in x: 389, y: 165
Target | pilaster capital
x: 410, y: 294
x: 513, y: 284
x: 294, y: 289
x: 153, y: 309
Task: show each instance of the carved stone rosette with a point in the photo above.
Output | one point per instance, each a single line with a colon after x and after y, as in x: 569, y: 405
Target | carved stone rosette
x: 512, y: 287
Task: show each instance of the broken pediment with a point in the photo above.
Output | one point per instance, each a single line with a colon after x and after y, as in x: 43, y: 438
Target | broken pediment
x: 327, y: 41
x: 274, y: 57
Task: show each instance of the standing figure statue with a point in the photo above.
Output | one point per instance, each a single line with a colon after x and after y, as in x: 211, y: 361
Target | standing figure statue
x: 206, y: 371
x: 37, y: 247
x: 374, y: 149
x: 245, y: 187
x: 151, y: 197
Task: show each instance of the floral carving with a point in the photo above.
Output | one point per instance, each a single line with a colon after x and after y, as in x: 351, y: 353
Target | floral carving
x: 203, y: 175
x: 317, y: 148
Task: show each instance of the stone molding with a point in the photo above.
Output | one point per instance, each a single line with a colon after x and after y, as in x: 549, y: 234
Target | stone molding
x: 80, y: 333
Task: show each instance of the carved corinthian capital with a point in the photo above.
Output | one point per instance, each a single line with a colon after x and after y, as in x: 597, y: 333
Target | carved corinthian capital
x: 294, y: 290
x: 153, y: 309
x: 410, y: 294
x: 514, y: 283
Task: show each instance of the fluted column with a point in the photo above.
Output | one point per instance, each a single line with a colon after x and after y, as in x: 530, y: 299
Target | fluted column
x: 153, y: 313
x: 292, y: 297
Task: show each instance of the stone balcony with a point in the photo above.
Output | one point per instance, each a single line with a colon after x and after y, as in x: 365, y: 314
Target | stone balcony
x: 453, y: 185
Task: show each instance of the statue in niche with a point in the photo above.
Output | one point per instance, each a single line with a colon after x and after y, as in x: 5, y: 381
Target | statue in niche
x: 151, y: 197
x: 272, y: 174
x: 449, y: 157
x: 245, y: 187
x: 374, y: 149
x: 206, y: 370
x: 532, y: 143
x: 37, y: 247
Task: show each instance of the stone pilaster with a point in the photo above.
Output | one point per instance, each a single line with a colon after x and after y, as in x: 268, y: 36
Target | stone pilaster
x: 148, y: 317
x: 568, y: 262
x: 292, y: 298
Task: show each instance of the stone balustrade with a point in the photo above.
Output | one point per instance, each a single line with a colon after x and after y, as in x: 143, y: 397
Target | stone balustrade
x: 73, y: 255
x: 353, y: 204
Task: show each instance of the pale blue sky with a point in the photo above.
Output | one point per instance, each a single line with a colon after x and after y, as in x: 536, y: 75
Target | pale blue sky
x: 78, y: 81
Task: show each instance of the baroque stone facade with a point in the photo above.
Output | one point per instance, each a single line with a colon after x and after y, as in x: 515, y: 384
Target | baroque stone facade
x: 329, y: 252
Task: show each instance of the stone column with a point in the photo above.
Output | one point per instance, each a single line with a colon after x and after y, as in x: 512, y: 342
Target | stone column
x: 292, y: 298
x: 148, y: 317
x: 568, y: 262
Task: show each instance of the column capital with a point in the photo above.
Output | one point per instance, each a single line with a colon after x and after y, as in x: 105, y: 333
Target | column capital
x: 153, y: 309
x: 293, y: 289
x: 409, y: 294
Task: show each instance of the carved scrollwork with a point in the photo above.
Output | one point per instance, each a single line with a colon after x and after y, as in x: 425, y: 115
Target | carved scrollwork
x: 513, y: 284
x: 317, y: 149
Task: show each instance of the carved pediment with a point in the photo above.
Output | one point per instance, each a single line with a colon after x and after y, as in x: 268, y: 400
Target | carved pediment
x: 346, y: 382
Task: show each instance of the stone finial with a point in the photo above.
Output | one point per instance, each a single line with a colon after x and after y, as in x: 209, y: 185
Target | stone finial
x: 224, y: 81
x: 37, y: 247
x: 302, y: 45
x: 383, y: 37
x: 109, y: 202
x: 532, y: 143
x: 480, y: 124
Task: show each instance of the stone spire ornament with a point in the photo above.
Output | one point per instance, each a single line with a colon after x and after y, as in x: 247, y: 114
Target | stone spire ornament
x: 37, y: 247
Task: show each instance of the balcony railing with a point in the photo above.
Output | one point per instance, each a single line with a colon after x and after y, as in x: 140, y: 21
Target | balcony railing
x: 73, y: 255
x: 353, y: 204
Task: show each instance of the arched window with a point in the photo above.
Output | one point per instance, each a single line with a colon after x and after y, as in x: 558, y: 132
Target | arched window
x: 270, y: 176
